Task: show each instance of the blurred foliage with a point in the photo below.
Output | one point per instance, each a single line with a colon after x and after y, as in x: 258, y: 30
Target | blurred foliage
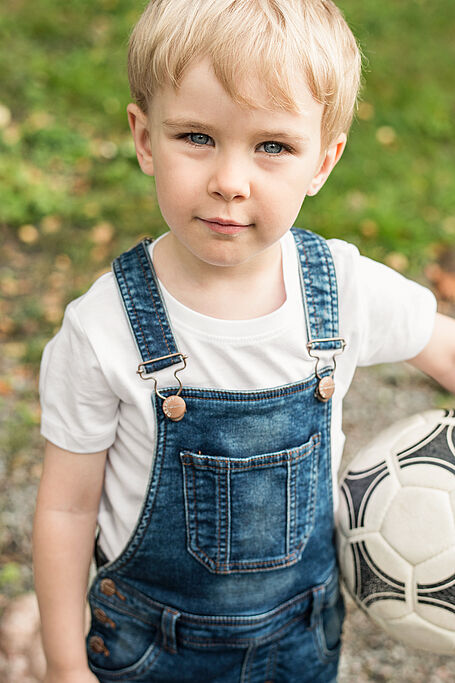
x: 72, y: 195
x: 67, y: 152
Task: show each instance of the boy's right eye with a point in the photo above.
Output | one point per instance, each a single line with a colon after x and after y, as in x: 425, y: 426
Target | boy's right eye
x: 199, y: 138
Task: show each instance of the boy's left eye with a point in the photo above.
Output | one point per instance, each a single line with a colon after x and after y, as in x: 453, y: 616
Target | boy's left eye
x: 199, y: 138
x: 275, y: 148
x: 272, y: 147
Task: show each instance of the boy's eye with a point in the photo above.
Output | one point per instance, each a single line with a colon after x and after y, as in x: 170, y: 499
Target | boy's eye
x: 273, y: 147
x: 199, y: 138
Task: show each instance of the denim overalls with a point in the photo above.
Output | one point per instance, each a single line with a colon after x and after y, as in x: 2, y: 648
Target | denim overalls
x: 230, y: 575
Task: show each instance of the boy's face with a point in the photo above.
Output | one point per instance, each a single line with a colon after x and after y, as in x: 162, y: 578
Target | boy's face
x: 230, y: 179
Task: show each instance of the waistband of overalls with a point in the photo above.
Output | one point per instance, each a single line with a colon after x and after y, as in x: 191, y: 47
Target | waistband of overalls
x: 213, y: 631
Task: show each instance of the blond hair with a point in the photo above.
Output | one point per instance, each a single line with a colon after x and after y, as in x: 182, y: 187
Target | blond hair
x: 274, y: 40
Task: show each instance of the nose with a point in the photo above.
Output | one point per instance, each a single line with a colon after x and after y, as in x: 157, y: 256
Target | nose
x: 229, y: 179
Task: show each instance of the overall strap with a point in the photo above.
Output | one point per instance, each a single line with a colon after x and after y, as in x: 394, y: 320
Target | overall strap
x: 319, y: 291
x: 144, y: 306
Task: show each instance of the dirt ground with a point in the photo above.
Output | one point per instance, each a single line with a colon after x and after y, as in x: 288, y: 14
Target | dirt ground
x: 378, y: 396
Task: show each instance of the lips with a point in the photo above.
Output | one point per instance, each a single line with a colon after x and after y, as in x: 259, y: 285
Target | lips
x: 225, y: 221
x: 224, y: 226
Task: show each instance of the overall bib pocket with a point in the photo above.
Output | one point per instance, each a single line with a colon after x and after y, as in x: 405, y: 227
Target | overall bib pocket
x: 253, y: 513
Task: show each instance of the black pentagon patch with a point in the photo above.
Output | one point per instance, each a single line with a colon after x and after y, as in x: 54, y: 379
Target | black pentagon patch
x: 371, y: 583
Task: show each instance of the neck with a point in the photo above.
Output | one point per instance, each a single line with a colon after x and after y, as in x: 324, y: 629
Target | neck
x: 247, y: 290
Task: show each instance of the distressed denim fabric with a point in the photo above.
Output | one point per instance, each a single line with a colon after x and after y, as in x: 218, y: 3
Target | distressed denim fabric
x: 230, y: 574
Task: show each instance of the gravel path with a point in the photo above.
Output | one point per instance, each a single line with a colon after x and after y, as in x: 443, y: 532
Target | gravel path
x: 379, y: 396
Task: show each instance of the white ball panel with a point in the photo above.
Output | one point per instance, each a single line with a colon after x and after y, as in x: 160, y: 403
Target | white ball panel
x: 419, y: 523
x: 389, y: 609
x: 373, y: 455
x: 418, y: 633
x: 382, y: 496
x: 432, y: 417
x: 438, y: 616
x: 437, y: 569
x: 430, y: 476
x: 386, y: 559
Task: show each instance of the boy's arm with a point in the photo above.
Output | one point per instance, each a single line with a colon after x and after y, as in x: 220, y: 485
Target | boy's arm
x: 438, y: 357
x: 63, y: 539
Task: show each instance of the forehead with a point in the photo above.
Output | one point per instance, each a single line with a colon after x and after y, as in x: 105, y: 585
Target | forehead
x: 201, y: 96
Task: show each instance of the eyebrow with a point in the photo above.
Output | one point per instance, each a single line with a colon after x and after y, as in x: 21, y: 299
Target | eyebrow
x: 188, y: 123
x: 283, y: 133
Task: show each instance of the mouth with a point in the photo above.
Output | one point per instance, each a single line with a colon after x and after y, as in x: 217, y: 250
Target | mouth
x: 225, y: 226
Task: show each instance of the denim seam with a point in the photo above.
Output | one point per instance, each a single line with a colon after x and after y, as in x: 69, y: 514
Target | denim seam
x: 220, y: 520
x: 333, y: 316
x: 273, y: 652
x: 138, y: 321
x: 137, y: 539
x: 228, y: 515
x: 239, y: 468
x: 187, y: 393
x: 248, y: 642
x: 146, y: 274
x: 289, y: 511
x: 246, y: 663
x: 310, y: 282
x: 196, y: 525
x: 191, y: 459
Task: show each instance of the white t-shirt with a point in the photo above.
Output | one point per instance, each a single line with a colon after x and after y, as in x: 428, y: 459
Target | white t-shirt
x: 93, y: 399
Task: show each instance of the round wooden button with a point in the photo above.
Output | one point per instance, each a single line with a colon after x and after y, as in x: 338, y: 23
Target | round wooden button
x: 174, y: 407
x: 325, y: 389
x: 96, y: 644
x: 107, y: 587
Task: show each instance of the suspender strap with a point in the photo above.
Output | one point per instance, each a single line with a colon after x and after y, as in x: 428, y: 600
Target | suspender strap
x: 149, y: 321
x: 144, y: 306
x: 319, y: 290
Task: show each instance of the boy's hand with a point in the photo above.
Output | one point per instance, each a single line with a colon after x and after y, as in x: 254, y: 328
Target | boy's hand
x: 81, y: 676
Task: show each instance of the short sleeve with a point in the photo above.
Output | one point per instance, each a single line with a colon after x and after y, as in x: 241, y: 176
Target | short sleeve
x: 390, y: 317
x: 79, y: 409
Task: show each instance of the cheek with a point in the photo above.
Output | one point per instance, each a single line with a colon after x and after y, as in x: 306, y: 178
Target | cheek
x: 285, y: 196
x: 177, y: 178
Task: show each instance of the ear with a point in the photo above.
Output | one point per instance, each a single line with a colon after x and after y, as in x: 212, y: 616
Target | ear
x: 329, y: 159
x: 139, y: 125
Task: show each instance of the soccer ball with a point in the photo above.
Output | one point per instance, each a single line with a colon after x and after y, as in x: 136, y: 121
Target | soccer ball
x: 396, y: 530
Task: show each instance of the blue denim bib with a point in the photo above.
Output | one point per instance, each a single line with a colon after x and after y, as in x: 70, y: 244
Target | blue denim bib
x: 230, y: 574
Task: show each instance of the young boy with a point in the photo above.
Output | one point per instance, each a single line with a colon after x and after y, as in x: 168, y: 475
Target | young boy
x: 214, y: 500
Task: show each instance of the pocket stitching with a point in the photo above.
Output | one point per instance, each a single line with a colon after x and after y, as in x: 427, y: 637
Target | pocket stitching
x: 193, y: 460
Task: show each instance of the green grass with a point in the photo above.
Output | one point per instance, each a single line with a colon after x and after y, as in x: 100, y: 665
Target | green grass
x: 67, y: 152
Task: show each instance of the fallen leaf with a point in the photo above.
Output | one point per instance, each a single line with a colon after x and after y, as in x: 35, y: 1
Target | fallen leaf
x: 102, y: 233
x: 397, y: 261
x: 28, y: 234
x: 5, y: 388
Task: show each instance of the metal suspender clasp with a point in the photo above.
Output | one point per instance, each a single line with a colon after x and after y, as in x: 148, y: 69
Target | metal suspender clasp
x: 326, y: 385
x: 141, y: 368
x: 174, y: 407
